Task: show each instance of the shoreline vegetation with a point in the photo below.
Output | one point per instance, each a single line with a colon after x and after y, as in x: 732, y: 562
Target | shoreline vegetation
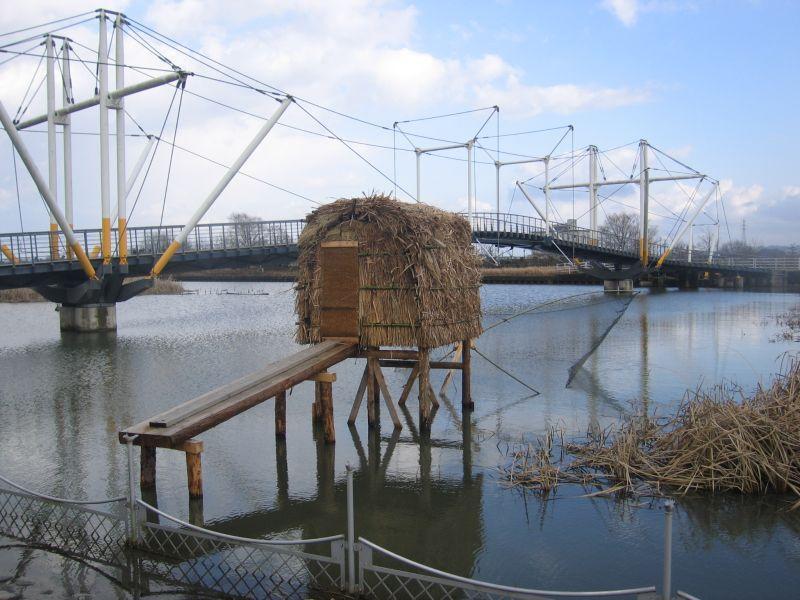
x: 718, y: 441
x: 161, y: 286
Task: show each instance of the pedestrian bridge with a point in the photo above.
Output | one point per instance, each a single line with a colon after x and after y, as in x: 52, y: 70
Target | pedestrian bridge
x: 42, y: 258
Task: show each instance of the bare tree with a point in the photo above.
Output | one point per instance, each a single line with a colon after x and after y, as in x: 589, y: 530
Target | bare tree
x: 246, y: 229
x: 622, y: 231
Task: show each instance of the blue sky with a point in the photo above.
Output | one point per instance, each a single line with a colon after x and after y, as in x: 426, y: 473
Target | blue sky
x: 713, y: 83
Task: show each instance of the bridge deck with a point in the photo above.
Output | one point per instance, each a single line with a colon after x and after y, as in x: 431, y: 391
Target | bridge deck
x: 176, y: 425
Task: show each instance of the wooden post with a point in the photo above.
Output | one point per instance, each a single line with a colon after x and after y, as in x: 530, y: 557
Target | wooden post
x: 362, y: 388
x: 466, y: 376
x: 280, y: 414
x: 424, y: 386
x: 372, y: 392
x: 316, y: 412
x: 194, y: 467
x: 147, y: 467
x: 325, y: 382
x: 409, y: 385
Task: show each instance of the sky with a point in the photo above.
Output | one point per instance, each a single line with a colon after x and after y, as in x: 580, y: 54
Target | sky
x: 713, y: 84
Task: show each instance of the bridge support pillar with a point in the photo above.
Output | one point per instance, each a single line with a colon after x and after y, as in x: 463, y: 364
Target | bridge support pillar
x: 88, y: 317
x: 618, y: 286
x: 738, y: 282
x: 688, y: 280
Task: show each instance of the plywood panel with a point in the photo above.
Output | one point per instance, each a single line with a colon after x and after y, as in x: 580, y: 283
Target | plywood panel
x: 339, y: 289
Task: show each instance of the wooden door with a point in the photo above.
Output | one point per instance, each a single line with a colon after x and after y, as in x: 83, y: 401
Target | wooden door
x: 339, y: 293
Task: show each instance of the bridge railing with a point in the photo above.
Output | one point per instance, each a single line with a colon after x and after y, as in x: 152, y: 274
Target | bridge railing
x: 50, y: 247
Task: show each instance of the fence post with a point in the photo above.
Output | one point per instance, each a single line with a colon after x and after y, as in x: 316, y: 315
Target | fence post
x: 133, y: 536
x: 351, y: 534
x: 667, y: 585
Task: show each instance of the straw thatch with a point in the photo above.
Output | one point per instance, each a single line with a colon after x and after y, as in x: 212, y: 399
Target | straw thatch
x: 419, y: 274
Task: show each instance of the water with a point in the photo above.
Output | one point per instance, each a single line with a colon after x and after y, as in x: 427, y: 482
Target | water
x: 436, y: 500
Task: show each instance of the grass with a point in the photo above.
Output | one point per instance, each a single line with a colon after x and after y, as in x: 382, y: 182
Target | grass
x: 718, y: 441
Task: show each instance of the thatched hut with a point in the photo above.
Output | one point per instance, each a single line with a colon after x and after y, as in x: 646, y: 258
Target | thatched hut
x: 387, y: 274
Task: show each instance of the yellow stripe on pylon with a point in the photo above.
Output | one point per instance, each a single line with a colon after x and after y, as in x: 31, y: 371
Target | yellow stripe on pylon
x: 122, y: 227
x: 162, y: 262
x: 53, y: 241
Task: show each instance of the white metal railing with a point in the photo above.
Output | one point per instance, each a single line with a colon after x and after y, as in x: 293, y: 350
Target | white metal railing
x: 49, y: 247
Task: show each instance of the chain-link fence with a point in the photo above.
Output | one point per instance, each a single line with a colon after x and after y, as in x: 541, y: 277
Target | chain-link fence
x: 127, y: 533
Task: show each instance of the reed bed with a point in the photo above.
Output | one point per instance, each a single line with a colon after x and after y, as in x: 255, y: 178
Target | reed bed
x: 165, y: 286
x: 20, y: 295
x: 419, y: 275
x: 718, y: 441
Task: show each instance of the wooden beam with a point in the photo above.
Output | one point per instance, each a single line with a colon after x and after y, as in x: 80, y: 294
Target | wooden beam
x: 409, y: 385
x: 466, y: 377
x: 387, y: 397
x: 424, y: 386
x: 408, y: 364
x: 326, y: 406
x: 194, y: 467
x: 362, y: 388
x: 324, y: 377
x: 389, y: 354
x: 372, y: 409
x: 280, y: 414
x: 147, y: 467
x: 449, y: 375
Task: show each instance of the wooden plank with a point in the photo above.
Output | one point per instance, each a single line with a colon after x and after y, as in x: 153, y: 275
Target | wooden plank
x: 253, y: 380
x: 210, y: 416
x: 340, y: 244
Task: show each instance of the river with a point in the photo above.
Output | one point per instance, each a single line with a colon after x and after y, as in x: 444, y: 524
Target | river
x: 440, y: 500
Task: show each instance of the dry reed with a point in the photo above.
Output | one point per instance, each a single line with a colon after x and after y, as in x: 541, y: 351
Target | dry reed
x: 419, y: 274
x: 718, y: 441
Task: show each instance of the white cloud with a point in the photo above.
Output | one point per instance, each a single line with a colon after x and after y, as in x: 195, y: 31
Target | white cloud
x: 792, y: 191
x: 741, y: 201
x: 626, y: 11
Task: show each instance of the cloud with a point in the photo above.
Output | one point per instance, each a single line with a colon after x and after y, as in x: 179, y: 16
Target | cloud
x: 626, y: 11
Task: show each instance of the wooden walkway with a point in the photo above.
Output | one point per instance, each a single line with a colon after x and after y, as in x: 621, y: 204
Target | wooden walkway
x: 174, y: 427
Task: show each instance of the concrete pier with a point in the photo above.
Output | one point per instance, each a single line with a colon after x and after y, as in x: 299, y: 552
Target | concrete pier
x: 618, y: 286
x: 88, y: 317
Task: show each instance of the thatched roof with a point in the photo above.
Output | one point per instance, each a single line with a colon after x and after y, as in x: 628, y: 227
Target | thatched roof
x: 418, y: 272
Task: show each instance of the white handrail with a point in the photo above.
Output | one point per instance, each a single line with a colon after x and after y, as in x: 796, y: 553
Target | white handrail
x: 504, y: 588
x: 61, y: 500
x: 236, y: 538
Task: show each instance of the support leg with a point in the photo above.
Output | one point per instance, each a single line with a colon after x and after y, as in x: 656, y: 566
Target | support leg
x: 372, y: 391
x: 424, y: 386
x: 326, y: 406
x: 316, y: 412
x: 466, y: 376
x: 387, y: 397
x: 147, y: 476
x: 409, y: 385
x: 280, y: 414
x: 194, y: 467
x: 362, y: 388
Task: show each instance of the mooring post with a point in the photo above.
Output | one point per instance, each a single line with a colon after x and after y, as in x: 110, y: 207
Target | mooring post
x: 424, y: 385
x: 668, y: 507
x: 466, y: 376
x: 280, y: 414
x: 351, y: 533
x: 147, y: 467
x: 194, y: 467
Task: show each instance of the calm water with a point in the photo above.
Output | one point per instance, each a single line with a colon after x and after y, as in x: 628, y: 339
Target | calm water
x: 438, y: 500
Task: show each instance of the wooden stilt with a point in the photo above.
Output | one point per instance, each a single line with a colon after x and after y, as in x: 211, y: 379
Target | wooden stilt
x: 449, y: 375
x: 325, y: 381
x: 280, y: 414
x: 409, y: 385
x: 147, y: 470
x: 424, y: 389
x: 362, y: 388
x: 316, y: 409
x: 372, y: 392
x: 466, y: 376
x: 194, y: 467
x: 387, y: 397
